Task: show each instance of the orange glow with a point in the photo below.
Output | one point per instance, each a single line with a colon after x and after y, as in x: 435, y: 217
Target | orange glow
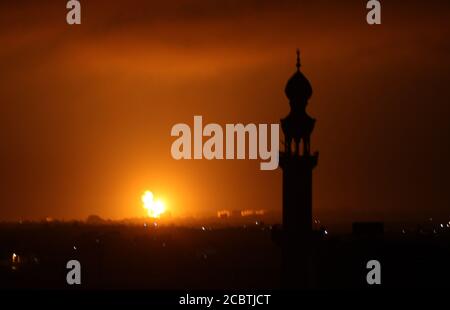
x: 223, y: 214
x: 154, y: 207
x: 95, y: 139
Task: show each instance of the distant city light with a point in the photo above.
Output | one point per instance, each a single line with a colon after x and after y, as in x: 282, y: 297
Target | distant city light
x: 15, y: 260
x: 223, y: 214
x: 247, y: 212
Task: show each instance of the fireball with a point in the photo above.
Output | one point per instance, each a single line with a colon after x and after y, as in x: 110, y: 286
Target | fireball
x: 154, y: 207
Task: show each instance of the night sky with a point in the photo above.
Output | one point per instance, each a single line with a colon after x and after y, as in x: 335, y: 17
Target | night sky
x: 86, y: 111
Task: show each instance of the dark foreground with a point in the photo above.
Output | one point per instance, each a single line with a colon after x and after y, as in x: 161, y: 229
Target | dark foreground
x: 135, y: 257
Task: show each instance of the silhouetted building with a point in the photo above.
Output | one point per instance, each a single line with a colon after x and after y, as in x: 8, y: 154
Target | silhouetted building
x: 297, y: 164
x: 296, y: 159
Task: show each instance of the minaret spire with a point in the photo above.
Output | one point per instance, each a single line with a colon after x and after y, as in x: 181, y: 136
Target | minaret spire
x: 298, y: 60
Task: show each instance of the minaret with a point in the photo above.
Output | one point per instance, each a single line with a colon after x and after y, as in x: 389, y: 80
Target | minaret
x: 297, y: 164
x: 296, y: 159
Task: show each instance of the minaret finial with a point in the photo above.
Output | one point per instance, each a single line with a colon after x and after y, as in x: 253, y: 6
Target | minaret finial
x: 298, y: 60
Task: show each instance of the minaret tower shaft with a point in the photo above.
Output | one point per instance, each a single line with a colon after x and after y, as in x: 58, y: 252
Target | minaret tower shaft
x: 296, y: 159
